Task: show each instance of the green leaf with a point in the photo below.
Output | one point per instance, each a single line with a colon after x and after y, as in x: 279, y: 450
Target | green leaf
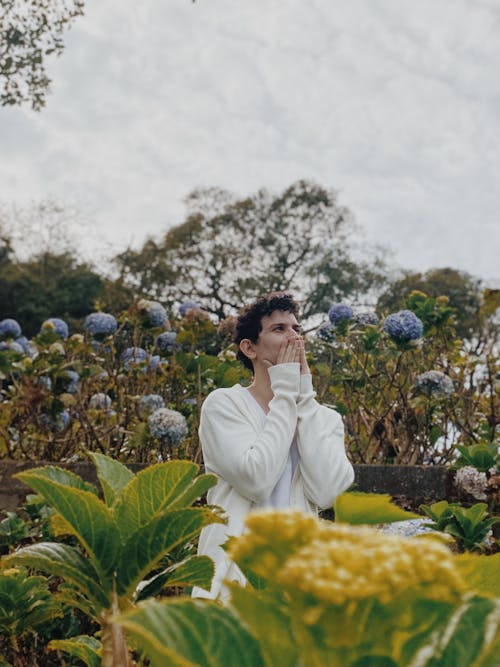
x: 85, y: 648
x: 194, y: 491
x: 64, y: 561
x: 269, y: 622
x: 474, y: 629
x: 194, y: 571
x: 151, y: 542
x: 91, y: 521
x: 355, y: 507
x: 112, y: 475
x: 481, y: 573
x: 59, y: 475
x: 152, y: 491
x: 191, y: 633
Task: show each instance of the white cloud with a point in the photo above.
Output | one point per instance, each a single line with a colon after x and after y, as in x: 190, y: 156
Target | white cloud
x: 394, y: 104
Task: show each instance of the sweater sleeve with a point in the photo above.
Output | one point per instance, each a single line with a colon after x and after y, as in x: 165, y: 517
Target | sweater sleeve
x: 251, y: 463
x: 325, y: 468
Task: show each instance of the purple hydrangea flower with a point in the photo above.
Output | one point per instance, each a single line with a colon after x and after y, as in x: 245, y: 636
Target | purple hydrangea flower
x: 165, y: 342
x: 186, y: 306
x: 168, y: 426
x: 100, y: 325
x: 132, y: 356
x: 57, y: 325
x: 149, y: 403
x: 326, y: 332
x: 339, y: 312
x: 100, y: 401
x: 434, y: 383
x: 404, y: 326
x: 367, y: 318
x: 58, y: 423
x: 9, y: 328
x: 152, y: 312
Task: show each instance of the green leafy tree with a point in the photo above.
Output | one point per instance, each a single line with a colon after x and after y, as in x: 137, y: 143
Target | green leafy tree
x: 122, y: 541
x: 462, y: 289
x: 29, y: 33
x: 229, y: 250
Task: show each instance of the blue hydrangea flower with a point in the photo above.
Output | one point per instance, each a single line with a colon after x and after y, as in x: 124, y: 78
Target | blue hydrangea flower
x: 132, y: 356
x: 149, y: 403
x: 340, y: 311
x: 100, y: 401
x: 326, y: 332
x: 186, y: 306
x: 26, y: 346
x: 168, y: 426
x: 9, y: 328
x: 57, y: 325
x: 165, y: 342
x: 434, y: 383
x: 100, y: 325
x: 367, y: 318
x: 11, y: 345
x: 67, y: 382
x: 58, y: 423
x: 404, y: 326
x: 152, y: 312
x: 154, y: 362
x: 44, y: 381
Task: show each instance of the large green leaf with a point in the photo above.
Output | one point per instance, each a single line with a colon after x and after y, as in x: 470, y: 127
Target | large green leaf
x: 63, y: 561
x: 194, y: 571
x: 481, y: 573
x: 144, y: 548
x: 150, y: 492
x: 355, y: 507
x: 472, y: 636
x: 269, y: 622
x: 61, y: 476
x: 112, y: 475
x: 194, y: 491
x: 85, y: 648
x: 91, y: 521
x: 191, y: 633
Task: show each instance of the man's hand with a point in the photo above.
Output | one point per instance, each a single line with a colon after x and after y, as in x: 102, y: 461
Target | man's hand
x: 289, y: 352
x: 304, y: 366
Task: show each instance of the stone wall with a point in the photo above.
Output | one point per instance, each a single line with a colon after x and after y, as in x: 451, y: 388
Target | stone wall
x: 416, y: 483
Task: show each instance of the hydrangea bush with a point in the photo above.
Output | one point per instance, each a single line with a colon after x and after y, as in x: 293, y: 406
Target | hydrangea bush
x: 97, y: 390
x: 408, y: 389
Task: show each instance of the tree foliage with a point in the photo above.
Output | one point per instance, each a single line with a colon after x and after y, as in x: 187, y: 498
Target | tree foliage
x: 29, y: 32
x: 462, y: 290
x: 229, y: 250
x: 47, y: 286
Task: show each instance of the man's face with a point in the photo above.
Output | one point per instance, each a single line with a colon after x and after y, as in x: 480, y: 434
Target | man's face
x: 275, y: 328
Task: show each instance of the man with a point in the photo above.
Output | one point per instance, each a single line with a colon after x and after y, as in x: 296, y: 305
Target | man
x: 270, y: 444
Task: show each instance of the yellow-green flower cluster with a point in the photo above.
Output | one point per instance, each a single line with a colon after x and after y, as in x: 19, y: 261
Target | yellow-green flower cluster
x: 339, y: 563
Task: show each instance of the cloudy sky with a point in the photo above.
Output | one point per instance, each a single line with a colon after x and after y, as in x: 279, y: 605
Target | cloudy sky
x: 394, y: 103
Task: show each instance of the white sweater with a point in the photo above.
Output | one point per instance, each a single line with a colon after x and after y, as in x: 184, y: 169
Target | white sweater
x: 249, y: 458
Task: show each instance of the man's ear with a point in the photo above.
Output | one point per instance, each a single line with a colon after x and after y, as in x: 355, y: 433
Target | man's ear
x: 247, y: 347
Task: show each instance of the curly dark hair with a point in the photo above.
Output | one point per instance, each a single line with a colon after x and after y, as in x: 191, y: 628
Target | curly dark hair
x: 249, y: 320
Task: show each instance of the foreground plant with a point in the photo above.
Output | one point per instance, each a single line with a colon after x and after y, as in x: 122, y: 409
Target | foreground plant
x: 469, y: 526
x: 123, y: 541
x: 26, y: 606
x: 332, y: 594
